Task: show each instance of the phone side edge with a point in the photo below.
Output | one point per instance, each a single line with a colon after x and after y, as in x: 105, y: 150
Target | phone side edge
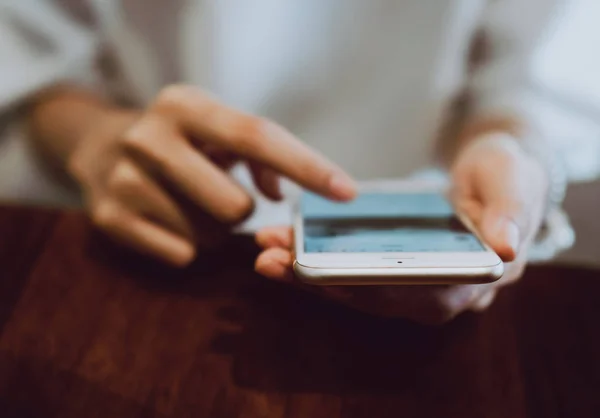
x: 390, y: 276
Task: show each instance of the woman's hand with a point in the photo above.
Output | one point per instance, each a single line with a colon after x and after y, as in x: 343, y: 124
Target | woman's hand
x: 157, y: 180
x: 503, y: 191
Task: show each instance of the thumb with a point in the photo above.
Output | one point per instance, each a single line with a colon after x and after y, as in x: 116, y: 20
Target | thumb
x: 501, y: 232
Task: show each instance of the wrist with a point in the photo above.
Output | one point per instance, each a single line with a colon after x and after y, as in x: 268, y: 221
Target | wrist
x: 62, y: 117
x: 529, y: 141
x: 552, y: 164
x: 555, y: 234
x: 477, y: 129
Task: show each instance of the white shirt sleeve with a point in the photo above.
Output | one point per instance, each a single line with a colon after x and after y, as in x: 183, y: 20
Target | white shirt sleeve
x: 544, y: 66
x: 41, y: 46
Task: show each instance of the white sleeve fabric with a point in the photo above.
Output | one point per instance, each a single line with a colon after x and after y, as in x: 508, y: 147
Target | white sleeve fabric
x: 544, y: 67
x: 41, y: 46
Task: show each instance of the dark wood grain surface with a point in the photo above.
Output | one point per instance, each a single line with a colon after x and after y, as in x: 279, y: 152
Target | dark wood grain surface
x: 86, y: 332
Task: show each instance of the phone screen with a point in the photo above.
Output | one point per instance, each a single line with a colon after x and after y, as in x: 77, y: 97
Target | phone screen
x: 385, y: 222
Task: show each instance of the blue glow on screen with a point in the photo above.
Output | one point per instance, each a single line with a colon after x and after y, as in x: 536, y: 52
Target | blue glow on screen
x: 385, y: 222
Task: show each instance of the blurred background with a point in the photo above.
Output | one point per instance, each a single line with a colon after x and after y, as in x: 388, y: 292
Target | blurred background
x: 45, y: 42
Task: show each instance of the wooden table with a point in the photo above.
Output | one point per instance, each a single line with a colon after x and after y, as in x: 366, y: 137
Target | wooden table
x: 85, y: 333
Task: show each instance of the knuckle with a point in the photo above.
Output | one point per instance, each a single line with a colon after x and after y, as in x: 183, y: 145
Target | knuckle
x: 124, y: 177
x: 250, y: 133
x: 171, y: 97
x: 135, y: 140
x: 105, y: 215
x: 151, y: 141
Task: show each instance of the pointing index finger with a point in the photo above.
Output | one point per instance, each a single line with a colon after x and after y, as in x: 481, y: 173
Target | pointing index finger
x: 256, y: 139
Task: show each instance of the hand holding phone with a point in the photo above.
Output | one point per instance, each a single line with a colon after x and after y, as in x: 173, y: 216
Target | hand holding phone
x: 502, y: 191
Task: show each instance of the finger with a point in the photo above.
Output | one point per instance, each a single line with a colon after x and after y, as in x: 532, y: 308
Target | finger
x: 276, y: 264
x: 137, y: 192
x: 168, y: 155
x: 495, y: 214
x: 496, y: 229
x: 469, y: 207
x: 512, y: 211
x: 511, y: 188
x: 453, y: 300
x: 142, y: 235
x: 501, y: 233
x: 253, y: 138
x: 484, y: 301
x: 267, y: 180
x: 277, y: 236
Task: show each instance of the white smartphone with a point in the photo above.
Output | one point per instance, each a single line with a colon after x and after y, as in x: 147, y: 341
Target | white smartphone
x: 407, y: 233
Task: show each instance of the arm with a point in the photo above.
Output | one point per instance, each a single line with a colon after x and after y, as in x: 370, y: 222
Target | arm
x: 60, y: 117
x: 40, y: 47
x: 539, y: 86
x: 155, y: 179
